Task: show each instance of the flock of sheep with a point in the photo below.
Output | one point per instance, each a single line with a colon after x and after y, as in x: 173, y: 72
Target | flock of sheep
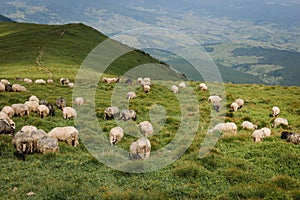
x: 30, y: 139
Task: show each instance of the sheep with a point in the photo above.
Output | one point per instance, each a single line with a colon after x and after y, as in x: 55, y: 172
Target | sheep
x: 50, y: 81
x: 225, y: 127
x: 248, y: 125
x: 146, y: 88
x: 115, y: 135
x: 131, y: 95
x: 29, y: 129
x: 69, y: 112
x: 47, y: 145
x: 279, y: 121
x: 9, y: 111
x: 18, y: 88
x: 175, y: 89
x: 34, y: 98
x: 6, y: 128
x: 112, y: 80
x: 216, y: 105
x: 111, y: 112
x: 140, y: 149
x: 139, y: 80
x: 23, y: 143
x: 275, y: 111
x: 214, y: 99
x: 234, y: 106
x: 64, y: 81
x: 146, y: 81
x: 20, y: 109
x: 258, y: 135
x: 4, y: 82
x: 202, y: 86
x: 128, y: 114
x: 40, y: 81
x: 291, y: 137
x: 51, y: 109
x: 71, y: 85
x: 36, y: 136
x: 69, y: 134
x: 267, y: 131
x: 27, y: 80
x: 182, y: 85
x: 2, y: 87
x: 61, y: 103
x: 43, y: 102
x: 6, y: 118
x: 146, y: 128
x: 240, y: 103
x: 32, y: 106
x: 43, y: 111
x: 78, y: 101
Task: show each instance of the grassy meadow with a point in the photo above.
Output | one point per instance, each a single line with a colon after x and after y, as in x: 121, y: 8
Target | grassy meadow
x: 236, y: 168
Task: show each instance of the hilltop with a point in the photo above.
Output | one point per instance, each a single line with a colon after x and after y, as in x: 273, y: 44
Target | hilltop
x: 5, y: 19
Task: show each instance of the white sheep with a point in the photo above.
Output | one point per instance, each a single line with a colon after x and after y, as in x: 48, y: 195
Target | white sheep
x: 294, y: 138
x: 69, y: 112
x: 7, y: 119
x: 111, y: 112
x: 146, y: 81
x: 50, y: 81
x: 47, y: 144
x: 29, y: 129
x: 240, y: 103
x: 202, y: 86
x: 5, y: 81
x: 248, y: 125
x: 131, y: 95
x: 20, y: 109
x: 182, y: 85
x: 27, y: 80
x: 279, y: 121
x: 175, y: 89
x: 9, y: 111
x: 115, y: 135
x: 112, y: 80
x: 68, y: 134
x: 234, y: 106
x: 79, y: 101
x: 40, y: 81
x: 214, y: 98
x: 2, y: 87
x: 128, y: 114
x: 275, y: 111
x: 32, y: 106
x: 267, y: 131
x: 146, y: 128
x: 43, y: 111
x: 34, y: 98
x: 258, y: 135
x: 23, y: 143
x: 146, y: 88
x: 64, y: 81
x: 140, y: 149
x: 139, y: 80
x: 71, y: 85
x: 225, y: 127
x: 18, y: 88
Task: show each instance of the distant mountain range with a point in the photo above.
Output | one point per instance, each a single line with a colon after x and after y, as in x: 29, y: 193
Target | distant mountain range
x: 5, y: 19
x: 219, y: 26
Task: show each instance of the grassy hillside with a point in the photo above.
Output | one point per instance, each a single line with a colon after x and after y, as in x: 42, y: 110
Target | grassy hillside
x: 236, y: 168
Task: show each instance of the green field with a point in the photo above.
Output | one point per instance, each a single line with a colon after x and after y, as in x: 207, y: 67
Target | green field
x: 236, y: 168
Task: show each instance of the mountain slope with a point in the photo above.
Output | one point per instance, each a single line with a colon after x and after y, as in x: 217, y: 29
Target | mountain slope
x: 5, y: 19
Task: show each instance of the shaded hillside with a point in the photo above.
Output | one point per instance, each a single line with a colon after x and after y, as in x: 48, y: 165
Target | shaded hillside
x: 5, y: 19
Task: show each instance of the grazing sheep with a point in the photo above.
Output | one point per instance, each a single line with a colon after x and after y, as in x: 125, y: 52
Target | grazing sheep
x: 115, y: 135
x: 267, y: 131
x: 9, y: 111
x: 234, y: 106
x: 111, y: 112
x: 182, y: 85
x: 6, y: 128
x: 216, y: 105
x: 225, y: 127
x: 258, y: 135
x: 40, y: 81
x: 202, y: 86
x: 8, y: 88
x: 112, y: 80
x: 51, y: 109
x: 4, y: 82
x: 146, y: 81
x: 140, y: 149
x: 18, y: 88
x: 64, y: 81
x: 27, y: 80
x: 61, y: 103
x: 71, y: 85
x: 240, y: 103
x: 34, y: 98
x: 2, y: 87
x: 139, y: 80
x: 291, y: 137
x: 37, y: 135
x: 29, y: 129
x: 79, y: 101
x: 175, y: 89
x: 68, y: 134
x: 128, y: 114
x: 50, y: 81
x: 20, y: 109
x: 214, y: 99
x: 43, y: 102
x: 43, y: 111
x: 5, y: 117
x: 248, y: 125
x: 23, y: 143
x: 131, y: 95
x: 69, y: 112
x: 146, y: 128
x: 279, y: 121
x: 47, y: 144
x: 275, y: 111
x: 146, y: 88
x: 32, y: 106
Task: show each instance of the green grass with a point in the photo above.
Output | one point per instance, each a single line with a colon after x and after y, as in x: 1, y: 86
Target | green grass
x: 236, y: 168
